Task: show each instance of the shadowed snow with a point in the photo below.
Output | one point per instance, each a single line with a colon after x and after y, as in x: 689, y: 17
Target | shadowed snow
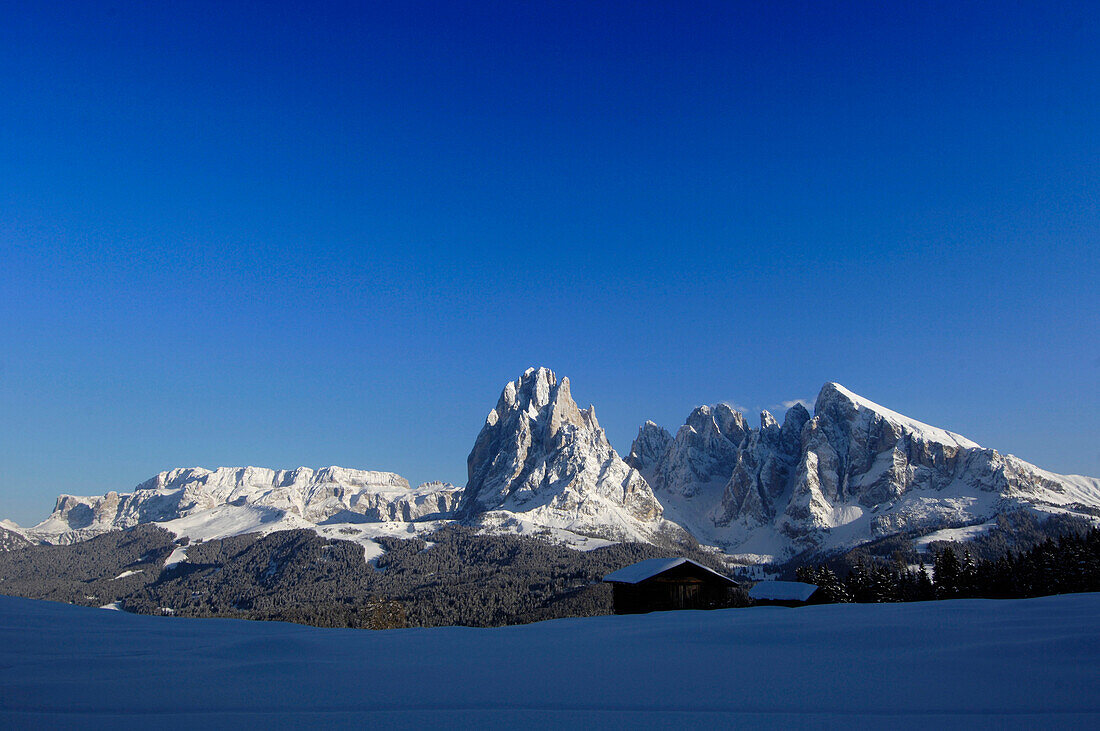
x: 972, y: 663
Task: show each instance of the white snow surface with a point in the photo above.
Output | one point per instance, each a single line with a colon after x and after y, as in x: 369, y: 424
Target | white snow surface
x: 782, y: 591
x: 176, y: 557
x: 124, y: 574
x: 960, y: 535
x: 506, y: 523
x: 951, y: 664
x: 233, y: 520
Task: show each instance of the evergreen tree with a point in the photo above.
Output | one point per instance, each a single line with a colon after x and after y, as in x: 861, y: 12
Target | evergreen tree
x: 924, y: 590
x: 946, y: 567
x: 831, y: 587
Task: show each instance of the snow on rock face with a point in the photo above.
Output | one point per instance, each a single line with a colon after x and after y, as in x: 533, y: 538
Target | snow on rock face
x: 13, y: 537
x: 764, y: 465
x: 853, y: 472
x: 857, y: 456
x: 301, y: 497
x: 541, y: 459
x: 705, y: 449
x: 688, y: 472
x: 835, y: 394
x: 649, y: 449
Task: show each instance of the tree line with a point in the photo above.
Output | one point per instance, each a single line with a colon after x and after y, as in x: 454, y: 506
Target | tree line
x: 1067, y: 564
x: 460, y: 576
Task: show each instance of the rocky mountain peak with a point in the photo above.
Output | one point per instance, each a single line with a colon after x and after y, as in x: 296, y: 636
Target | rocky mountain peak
x: 702, y: 454
x: 767, y: 421
x: 795, y: 418
x: 541, y: 398
x: 718, y: 420
x: 837, y: 405
x: 532, y: 388
x: 832, y: 391
x: 731, y: 423
x: 249, y: 498
x: 649, y: 448
x: 790, y: 434
x: 541, y: 457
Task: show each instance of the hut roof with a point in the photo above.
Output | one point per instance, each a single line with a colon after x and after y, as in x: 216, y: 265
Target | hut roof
x: 782, y: 591
x: 636, y: 573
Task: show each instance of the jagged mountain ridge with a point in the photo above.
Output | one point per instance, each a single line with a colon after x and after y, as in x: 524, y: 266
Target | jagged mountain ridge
x: 851, y: 472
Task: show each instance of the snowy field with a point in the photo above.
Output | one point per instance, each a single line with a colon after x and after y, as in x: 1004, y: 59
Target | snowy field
x: 960, y: 664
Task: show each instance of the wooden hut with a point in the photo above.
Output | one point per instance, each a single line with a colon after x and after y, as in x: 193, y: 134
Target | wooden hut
x: 659, y: 584
x: 781, y: 593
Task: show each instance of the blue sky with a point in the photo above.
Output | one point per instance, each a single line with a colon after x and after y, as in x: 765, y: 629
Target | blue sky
x: 284, y: 234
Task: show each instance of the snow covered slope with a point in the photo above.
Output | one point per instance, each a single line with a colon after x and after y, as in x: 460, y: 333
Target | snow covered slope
x: 541, y: 460
x: 952, y: 664
x: 853, y: 472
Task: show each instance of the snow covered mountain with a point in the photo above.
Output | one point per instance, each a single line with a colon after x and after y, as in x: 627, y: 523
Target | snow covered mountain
x: 233, y: 500
x: 542, y: 461
x: 540, y: 464
x: 853, y: 472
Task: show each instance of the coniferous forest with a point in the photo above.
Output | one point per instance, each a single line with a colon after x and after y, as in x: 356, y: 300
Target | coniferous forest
x: 1063, y: 565
x: 457, y: 576
x: 460, y: 576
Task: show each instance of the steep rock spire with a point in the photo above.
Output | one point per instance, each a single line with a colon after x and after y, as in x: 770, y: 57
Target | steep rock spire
x: 541, y: 457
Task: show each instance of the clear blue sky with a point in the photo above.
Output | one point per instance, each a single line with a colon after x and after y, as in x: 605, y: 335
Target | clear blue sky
x: 284, y: 234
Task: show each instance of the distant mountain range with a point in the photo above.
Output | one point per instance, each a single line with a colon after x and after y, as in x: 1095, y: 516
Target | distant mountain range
x: 851, y: 472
